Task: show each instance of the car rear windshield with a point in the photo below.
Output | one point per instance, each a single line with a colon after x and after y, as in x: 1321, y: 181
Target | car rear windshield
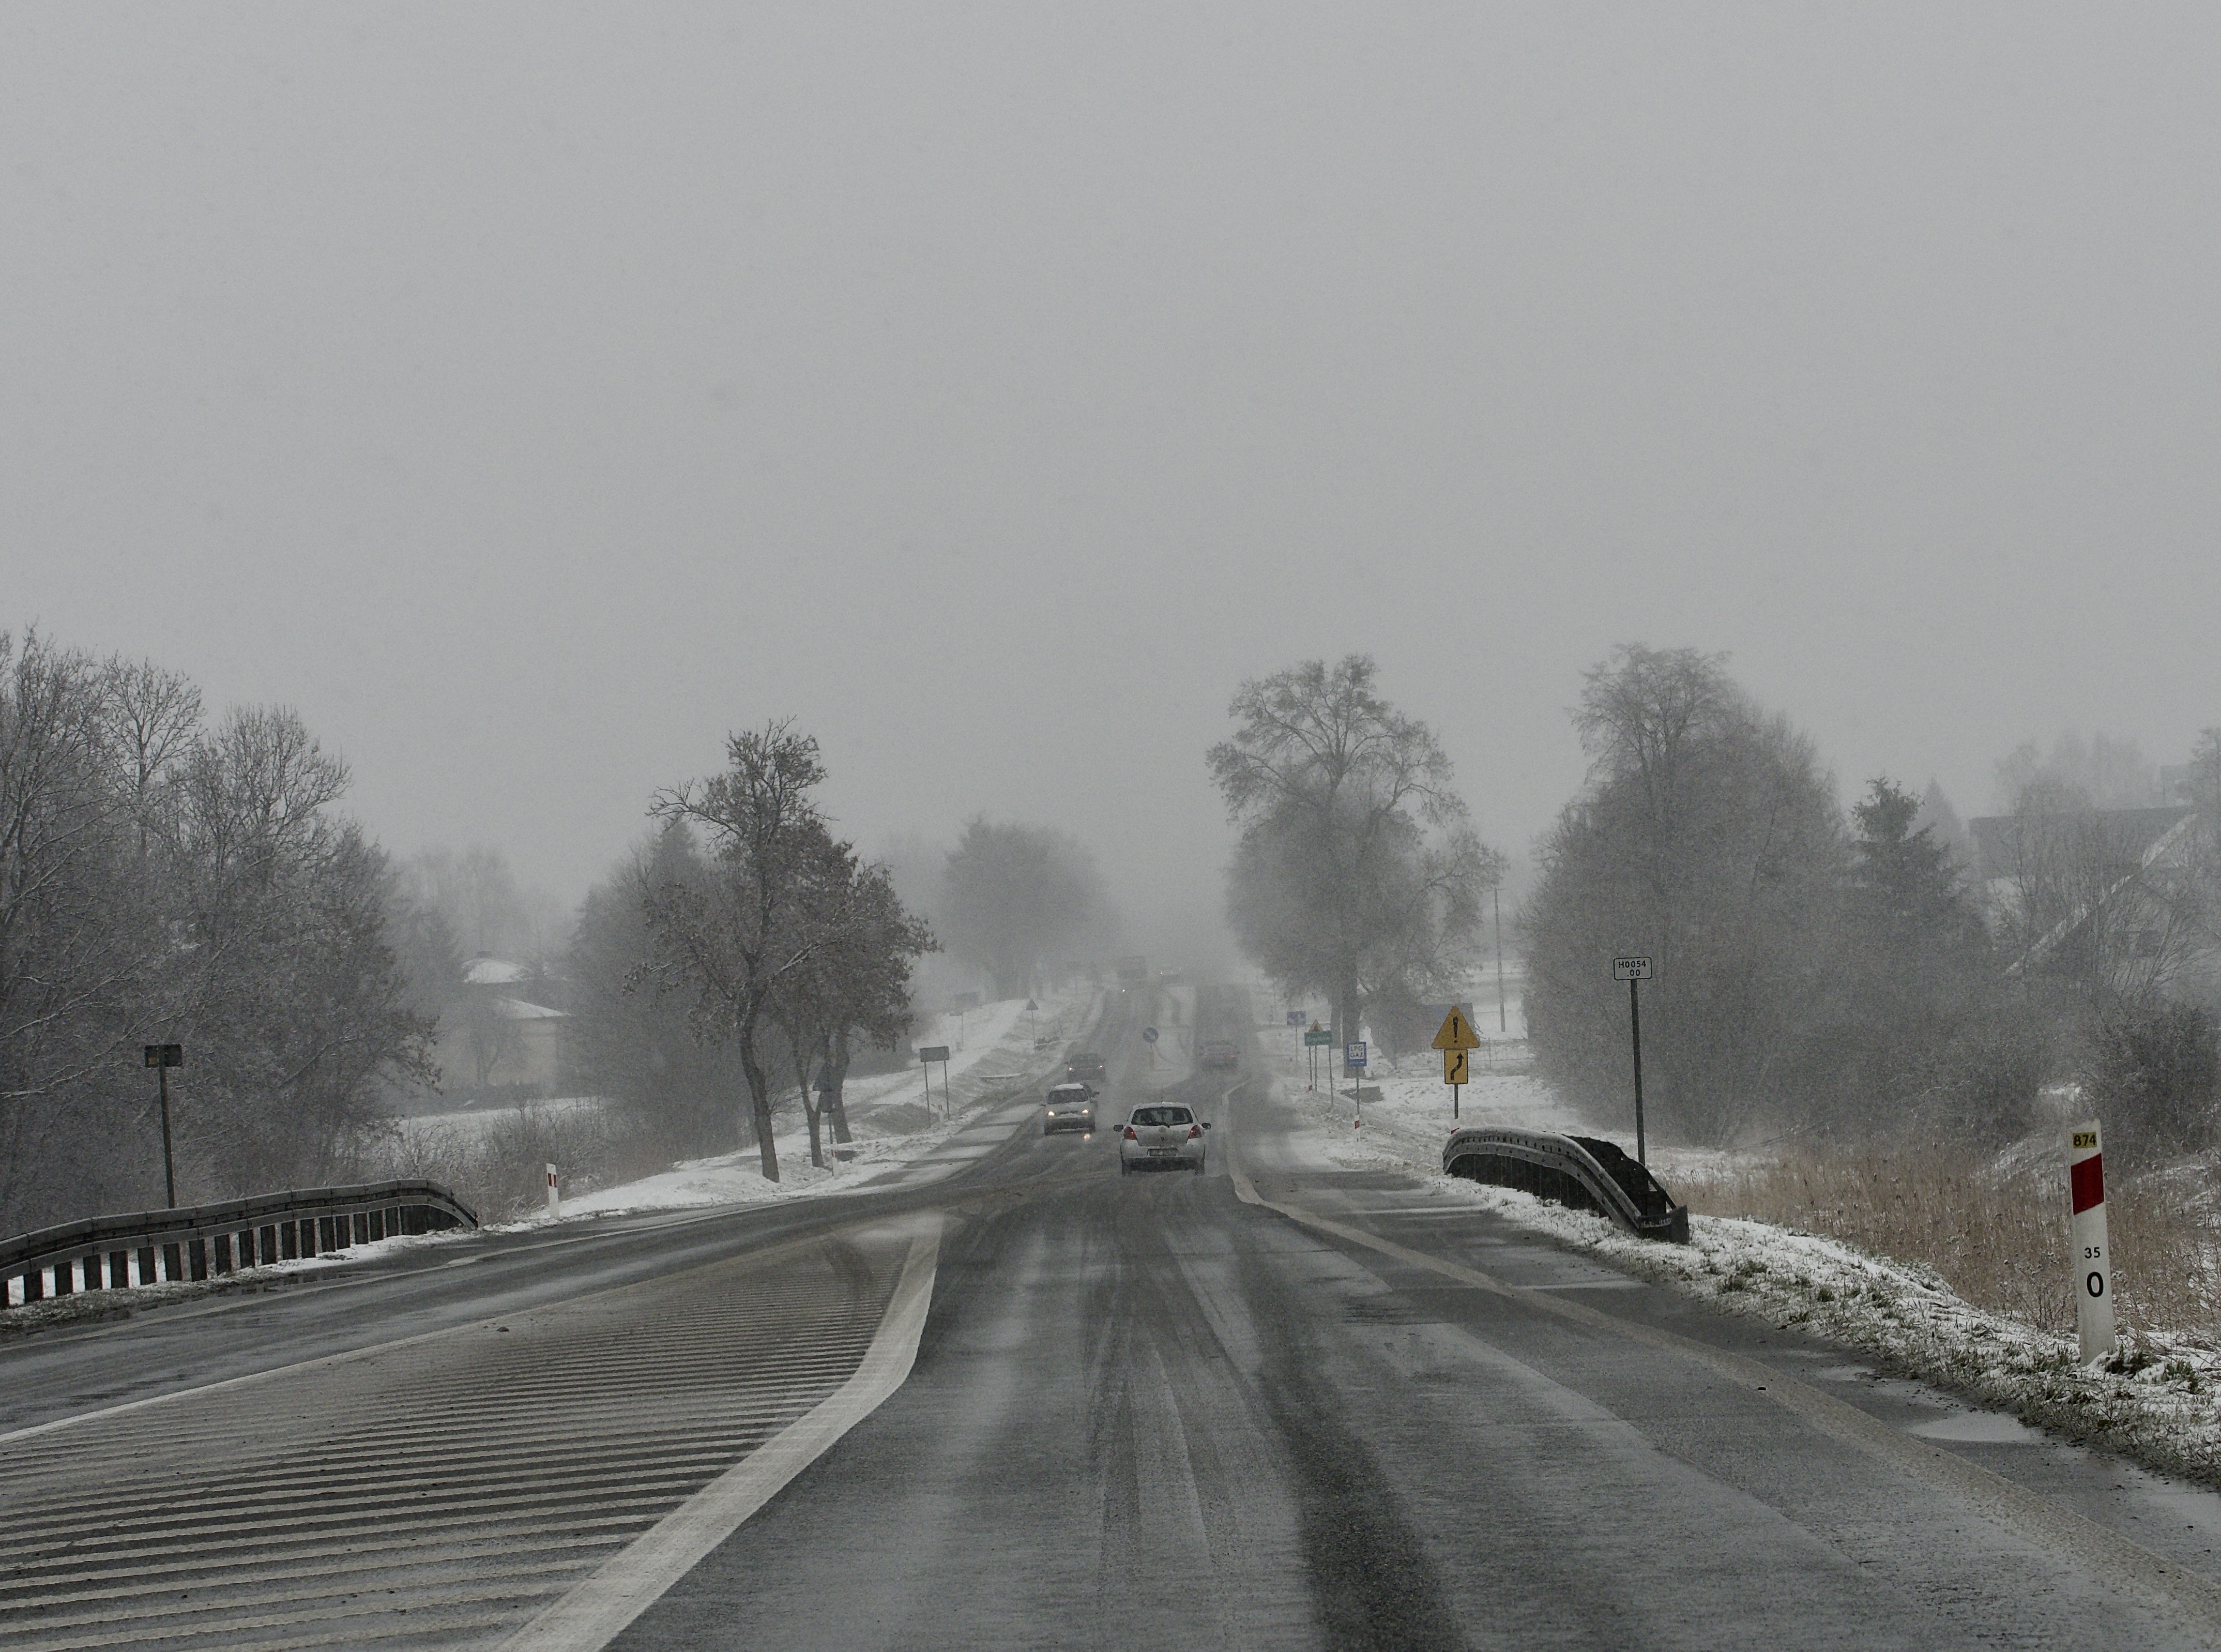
x: 1069, y: 1093
x: 1162, y: 1116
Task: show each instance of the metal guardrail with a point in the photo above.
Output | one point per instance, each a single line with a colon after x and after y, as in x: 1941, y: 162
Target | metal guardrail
x: 1583, y: 1173
x: 202, y: 1240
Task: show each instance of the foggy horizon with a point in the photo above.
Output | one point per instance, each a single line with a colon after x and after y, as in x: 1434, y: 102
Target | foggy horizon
x: 531, y: 398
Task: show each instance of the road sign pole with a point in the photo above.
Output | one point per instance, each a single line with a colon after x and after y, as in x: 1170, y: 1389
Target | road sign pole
x: 1635, y: 1028
x: 169, y: 1164
x: 1497, y: 892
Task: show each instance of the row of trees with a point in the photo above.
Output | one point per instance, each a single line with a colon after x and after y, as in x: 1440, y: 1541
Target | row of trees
x: 1822, y: 972
x: 1829, y: 973
x: 165, y: 877
x: 744, y: 951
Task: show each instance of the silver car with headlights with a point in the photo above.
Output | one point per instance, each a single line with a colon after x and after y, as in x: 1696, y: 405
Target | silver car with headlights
x: 1161, y: 1137
x: 1068, y: 1107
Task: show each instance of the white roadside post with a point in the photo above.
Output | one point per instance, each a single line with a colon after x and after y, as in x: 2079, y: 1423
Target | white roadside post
x: 555, y: 1197
x: 2093, y: 1261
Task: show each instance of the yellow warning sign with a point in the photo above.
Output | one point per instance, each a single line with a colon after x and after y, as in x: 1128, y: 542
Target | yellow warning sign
x: 1454, y: 1062
x: 1457, y: 1032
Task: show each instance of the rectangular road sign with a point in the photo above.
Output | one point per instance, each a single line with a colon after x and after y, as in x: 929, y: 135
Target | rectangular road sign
x: 166, y: 1055
x: 1630, y: 969
x: 1354, y: 1052
x: 1454, y: 1068
x: 1457, y: 1033
x: 933, y: 1052
x: 1319, y: 1035
x: 1295, y: 1017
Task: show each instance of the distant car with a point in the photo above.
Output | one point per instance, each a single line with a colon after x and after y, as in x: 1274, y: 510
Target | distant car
x: 1083, y: 1065
x: 1162, y: 1138
x: 1068, y: 1107
x: 1220, y: 1052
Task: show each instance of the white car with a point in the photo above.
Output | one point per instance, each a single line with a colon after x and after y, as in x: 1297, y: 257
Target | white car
x: 1068, y: 1107
x: 1161, y: 1137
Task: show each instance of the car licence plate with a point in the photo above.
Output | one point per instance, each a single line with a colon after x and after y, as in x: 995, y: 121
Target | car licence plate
x: 1164, y: 1152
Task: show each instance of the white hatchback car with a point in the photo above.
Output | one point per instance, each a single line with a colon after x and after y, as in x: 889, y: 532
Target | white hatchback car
x: 1161, y: 1137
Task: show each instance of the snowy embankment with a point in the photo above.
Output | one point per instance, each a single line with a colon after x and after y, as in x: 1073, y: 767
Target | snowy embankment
x: 991, y: 1054
x: 2159, y: 1401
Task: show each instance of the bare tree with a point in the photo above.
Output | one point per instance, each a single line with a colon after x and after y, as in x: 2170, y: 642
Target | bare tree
x: 761, y: 914
x: 1707, y: 837
x: 1356, y: 870
x: 637, y: 1046
x: 77, y: 932
x: 160, y: 881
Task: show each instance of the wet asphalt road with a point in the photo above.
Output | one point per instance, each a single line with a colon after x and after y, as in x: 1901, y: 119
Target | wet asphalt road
x: 1150, y: 1413
x: 1147, y: 1414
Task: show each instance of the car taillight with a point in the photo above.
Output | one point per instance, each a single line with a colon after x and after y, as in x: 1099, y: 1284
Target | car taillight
x: 1130, y: 1136
x: 1195, y: 1132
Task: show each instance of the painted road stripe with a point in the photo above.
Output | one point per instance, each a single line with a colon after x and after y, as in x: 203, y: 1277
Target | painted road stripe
x: 595, y: 1612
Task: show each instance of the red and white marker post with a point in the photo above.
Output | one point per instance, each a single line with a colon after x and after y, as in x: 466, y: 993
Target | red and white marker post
x: 555, y: 1197
x: 2092, y: 1261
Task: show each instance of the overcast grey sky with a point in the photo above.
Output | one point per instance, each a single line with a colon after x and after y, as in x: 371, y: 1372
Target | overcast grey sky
x: 530, y: 394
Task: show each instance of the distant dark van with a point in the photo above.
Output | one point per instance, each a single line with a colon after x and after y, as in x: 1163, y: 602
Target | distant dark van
x: 1082, y: 1064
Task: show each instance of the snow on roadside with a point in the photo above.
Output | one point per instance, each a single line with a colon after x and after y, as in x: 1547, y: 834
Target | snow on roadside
x: 887, y: 1114
x: 2159, y: 1401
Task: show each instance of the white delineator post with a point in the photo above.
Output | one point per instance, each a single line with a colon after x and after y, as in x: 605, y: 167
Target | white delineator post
x: 2092, y: 1261
x: 555, y: 1199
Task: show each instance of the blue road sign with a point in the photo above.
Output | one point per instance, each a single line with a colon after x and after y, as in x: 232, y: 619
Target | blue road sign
x: 1295, y: 1017
x: 1354, y: 1052
x: 1148, y: 1035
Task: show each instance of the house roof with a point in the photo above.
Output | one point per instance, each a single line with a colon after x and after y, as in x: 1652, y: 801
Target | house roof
x: 2127, y: 833
x: 518, y: 1010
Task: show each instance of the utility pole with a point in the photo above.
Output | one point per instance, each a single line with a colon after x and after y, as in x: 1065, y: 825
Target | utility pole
x: 162, y: 1058
x: 1496, y: 894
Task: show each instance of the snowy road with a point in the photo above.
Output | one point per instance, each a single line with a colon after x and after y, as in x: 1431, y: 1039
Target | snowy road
x: 1142, y: 1413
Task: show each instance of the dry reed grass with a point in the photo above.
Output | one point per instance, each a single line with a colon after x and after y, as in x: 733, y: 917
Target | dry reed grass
x: 1995, y: 1234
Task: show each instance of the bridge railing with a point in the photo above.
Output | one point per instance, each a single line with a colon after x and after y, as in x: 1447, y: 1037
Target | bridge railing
x: 1581, y: 1172
x: 201, y: 1242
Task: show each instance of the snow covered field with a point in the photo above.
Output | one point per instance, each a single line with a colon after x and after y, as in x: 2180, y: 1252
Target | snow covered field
x: 470, y: 1123
x: 2161, y: 1403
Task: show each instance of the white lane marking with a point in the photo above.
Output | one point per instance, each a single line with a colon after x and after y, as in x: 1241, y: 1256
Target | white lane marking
x: 2110, y: 1558
x: 597, y: 1610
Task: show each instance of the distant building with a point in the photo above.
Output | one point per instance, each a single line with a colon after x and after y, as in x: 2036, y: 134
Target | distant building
x: 2103, y: 896
x: 495, y: 1040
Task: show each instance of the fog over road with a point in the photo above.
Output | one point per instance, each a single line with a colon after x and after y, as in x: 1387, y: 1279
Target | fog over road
x: 1151, y: 1411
